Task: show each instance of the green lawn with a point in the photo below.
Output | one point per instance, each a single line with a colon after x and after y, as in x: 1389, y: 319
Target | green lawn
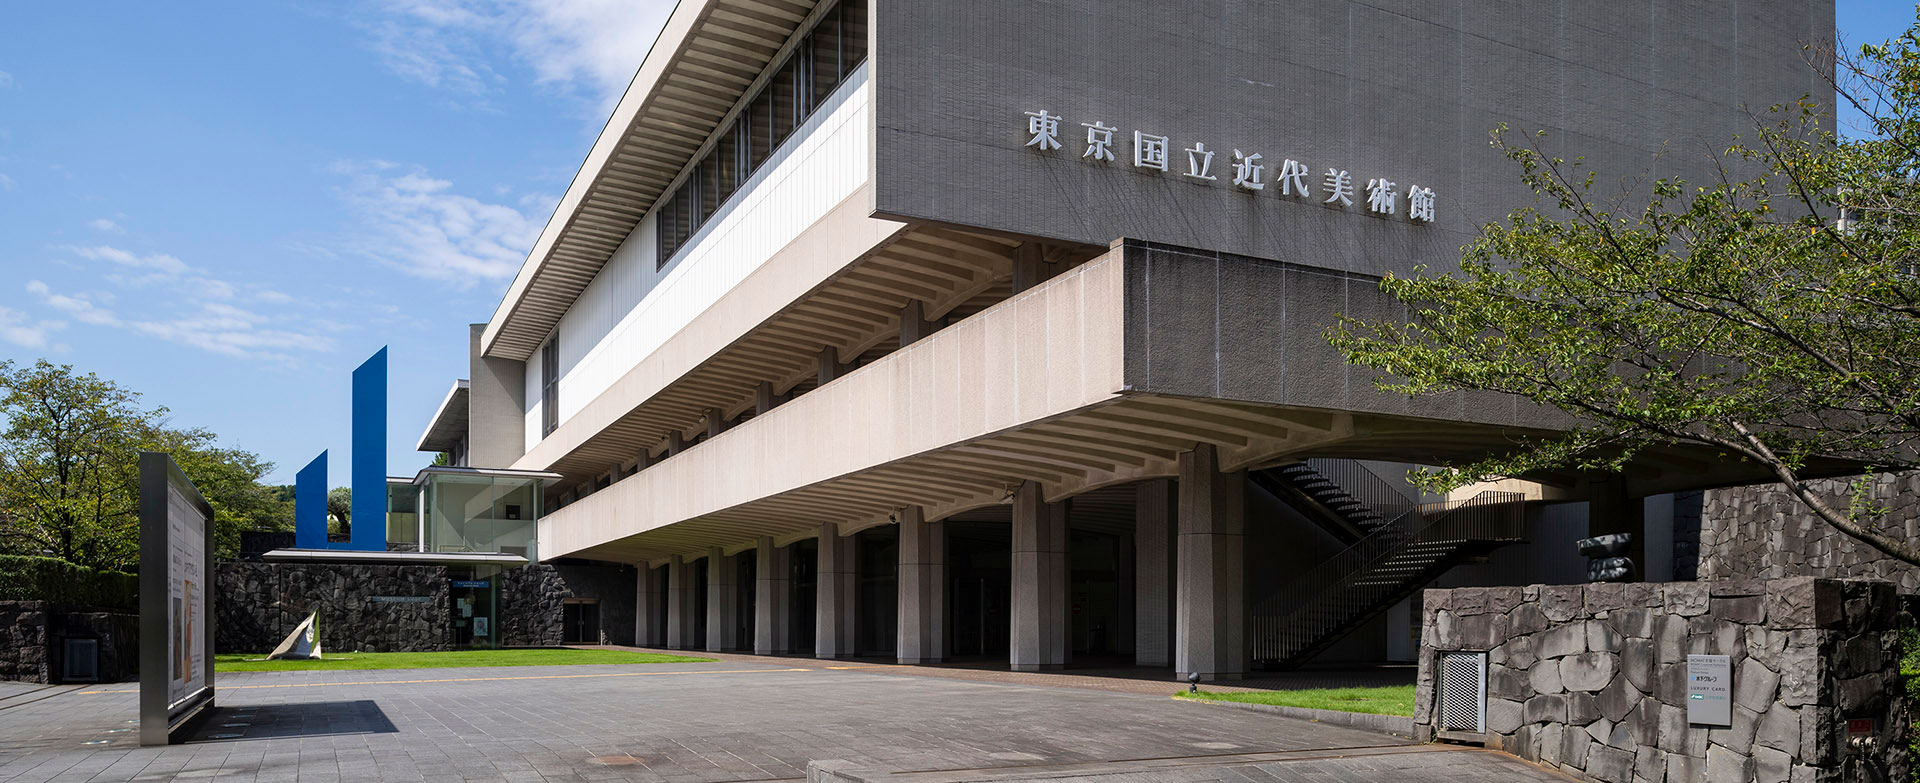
x: 435, y: 660
x: 1395, y: 700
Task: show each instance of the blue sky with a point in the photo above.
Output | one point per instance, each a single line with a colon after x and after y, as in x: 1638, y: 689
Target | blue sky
x: 228, y: 209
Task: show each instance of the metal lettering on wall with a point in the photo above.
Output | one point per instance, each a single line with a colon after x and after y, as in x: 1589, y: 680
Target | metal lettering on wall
x: 1710, y: 690
x: 1248, y: 171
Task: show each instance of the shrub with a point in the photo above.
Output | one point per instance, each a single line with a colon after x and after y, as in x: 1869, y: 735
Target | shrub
x: 66, y: 585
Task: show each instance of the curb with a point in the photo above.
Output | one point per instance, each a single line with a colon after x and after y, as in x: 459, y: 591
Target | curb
x: 1396, y: 725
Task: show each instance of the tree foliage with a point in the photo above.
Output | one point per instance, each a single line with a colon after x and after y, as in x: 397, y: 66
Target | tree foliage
x: 1772, y: 315
x: 69, y: 470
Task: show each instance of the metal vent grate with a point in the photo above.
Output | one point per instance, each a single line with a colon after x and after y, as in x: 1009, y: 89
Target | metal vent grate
x: 1463, y: 692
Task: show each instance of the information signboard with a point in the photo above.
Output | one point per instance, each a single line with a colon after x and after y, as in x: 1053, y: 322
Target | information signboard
x: 1710, y: 690
x: 176, y: 568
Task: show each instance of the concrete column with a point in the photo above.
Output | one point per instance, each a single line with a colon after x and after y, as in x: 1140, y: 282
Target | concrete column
x: 1038, y: 638
x: 721, y: 606
x: 773, y: 600
x: 716, y: 422
x: 680, y: 597
x: 1123, y: 596
x: 923, y: 588
x: 1153, y: 548
x: 1030, y: 267
x: 763, y: 399
x: 829, y: 368
x: 914, y: 325
x: 833, y: 595
x: 1210, y: 604
x: 676, y: 443
x: 1610, y: 510
x: 643, y: 607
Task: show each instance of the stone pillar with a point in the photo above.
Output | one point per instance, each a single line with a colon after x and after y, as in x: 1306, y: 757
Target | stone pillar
x: 1153, y: 547
x: 773, y: 600
x: 833, y: 595
x: 1210, y: 606
x: 721, y: 606
x: 923, y: 588
x: 1038, y: 638
x: 1610, y: 510
x: 680, y: 597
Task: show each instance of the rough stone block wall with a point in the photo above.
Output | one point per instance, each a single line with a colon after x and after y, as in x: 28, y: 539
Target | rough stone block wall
x: 531, y: 600
x: 1763, y: 532
x: 23, y: 641
x: 256, y: 604
x: 33, y: 636
x: 1591, y: 679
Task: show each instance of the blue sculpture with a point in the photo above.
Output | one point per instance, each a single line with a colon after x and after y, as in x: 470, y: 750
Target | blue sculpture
x: 369, y: 472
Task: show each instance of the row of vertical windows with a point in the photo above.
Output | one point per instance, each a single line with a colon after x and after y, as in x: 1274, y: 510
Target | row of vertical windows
x: 824, y: 59
x: 550, y: 387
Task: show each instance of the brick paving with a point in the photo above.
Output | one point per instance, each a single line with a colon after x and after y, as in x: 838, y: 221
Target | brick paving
x: 729, y: 720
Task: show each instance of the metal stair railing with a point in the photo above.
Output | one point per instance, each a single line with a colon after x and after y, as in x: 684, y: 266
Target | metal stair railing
x: 1359, y: 482
x: 1353, y: 582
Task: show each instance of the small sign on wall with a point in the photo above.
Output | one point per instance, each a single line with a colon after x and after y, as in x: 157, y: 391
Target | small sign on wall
x: 1710, y: 690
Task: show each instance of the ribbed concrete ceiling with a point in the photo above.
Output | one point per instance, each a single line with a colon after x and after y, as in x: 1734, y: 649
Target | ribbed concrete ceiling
x: 705, y: 60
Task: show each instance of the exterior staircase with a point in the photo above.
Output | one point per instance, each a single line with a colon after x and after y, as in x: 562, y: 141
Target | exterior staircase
x: 1342, y: 496
x: 1394, y: 556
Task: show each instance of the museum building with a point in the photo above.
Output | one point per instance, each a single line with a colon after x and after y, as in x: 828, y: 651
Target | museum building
x: 997, y: 330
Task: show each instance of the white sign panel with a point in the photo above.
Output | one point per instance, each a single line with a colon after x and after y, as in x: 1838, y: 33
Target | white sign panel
x: 187, y: 596
x: 1710, y: 690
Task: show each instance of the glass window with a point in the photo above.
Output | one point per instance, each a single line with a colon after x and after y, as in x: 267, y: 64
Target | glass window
x: 784, y: 105
x: 762, y: 127
x: 853, y: 34
x: 709, y: 185
x: 726, y: 159
x: 550, y: 387
x: 826, y: 57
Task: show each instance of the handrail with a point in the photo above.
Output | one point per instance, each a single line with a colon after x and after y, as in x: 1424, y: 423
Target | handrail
x: 1300, y: 620
x: 1364, y: 485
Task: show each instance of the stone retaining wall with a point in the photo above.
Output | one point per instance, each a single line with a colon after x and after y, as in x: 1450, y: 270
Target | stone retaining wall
x: 33, y: 638
x: 1591, y: 679
x: 1764, y: 532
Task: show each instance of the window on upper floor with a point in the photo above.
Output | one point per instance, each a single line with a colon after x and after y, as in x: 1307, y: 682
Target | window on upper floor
x: 820, y: 63
x: 550, y: 387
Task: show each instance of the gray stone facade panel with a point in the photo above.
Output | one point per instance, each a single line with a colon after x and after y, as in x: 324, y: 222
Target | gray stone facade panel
x: 1406, y: 90
x: 1764, y: 532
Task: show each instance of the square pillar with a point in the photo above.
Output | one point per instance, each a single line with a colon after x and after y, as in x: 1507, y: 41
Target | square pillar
x: 773, y: 600
x: 1038, y: 638
x: 1210, y: 604
x: 1153, y: 548
x: 643, y: 609
x: 923, y: 588
x: 721, y: 606
x: 680, y: 595
x: 833, y: 595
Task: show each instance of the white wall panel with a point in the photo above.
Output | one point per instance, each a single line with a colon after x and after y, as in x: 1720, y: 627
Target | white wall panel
x: 631, y: 309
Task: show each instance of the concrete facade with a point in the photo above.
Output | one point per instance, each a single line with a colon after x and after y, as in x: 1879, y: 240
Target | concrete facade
x: 1068, y: 384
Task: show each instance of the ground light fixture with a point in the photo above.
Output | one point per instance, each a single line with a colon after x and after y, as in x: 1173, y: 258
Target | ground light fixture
x: 1193, y: 682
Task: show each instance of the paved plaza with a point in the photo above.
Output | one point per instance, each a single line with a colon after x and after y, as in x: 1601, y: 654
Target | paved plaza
x: 730, y: 720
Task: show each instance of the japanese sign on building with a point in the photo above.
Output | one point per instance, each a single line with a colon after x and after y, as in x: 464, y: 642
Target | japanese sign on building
x: 1250, y: 171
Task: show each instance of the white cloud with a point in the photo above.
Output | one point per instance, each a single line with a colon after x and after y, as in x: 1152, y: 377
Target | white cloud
x: 159, y: 262
x: 19, y: 329
x: 6, y: 182
x: 6, y: 80
x: 215, y: 327
x: 591, y: 45
x: 418, y: 225
x: 103, y: 224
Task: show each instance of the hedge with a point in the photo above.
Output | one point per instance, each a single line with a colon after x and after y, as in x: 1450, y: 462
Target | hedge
x: 63, y: 584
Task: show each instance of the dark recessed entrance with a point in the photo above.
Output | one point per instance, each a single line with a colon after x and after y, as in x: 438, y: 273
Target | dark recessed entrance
x: 979, y: 578
x: 580, y: 621
x: 876, y: 591
x: 804, y: 558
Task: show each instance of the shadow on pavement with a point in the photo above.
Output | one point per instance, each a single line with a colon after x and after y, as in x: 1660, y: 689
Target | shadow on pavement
x: 312, y: 719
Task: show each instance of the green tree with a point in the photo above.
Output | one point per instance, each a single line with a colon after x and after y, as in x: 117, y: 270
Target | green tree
x: 1772, y: 315
x: 69, y: 469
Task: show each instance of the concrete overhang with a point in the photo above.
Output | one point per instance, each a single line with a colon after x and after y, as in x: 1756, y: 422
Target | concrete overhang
x: 392, y: 558
x: 710, y: 54
x: 449, y: 423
